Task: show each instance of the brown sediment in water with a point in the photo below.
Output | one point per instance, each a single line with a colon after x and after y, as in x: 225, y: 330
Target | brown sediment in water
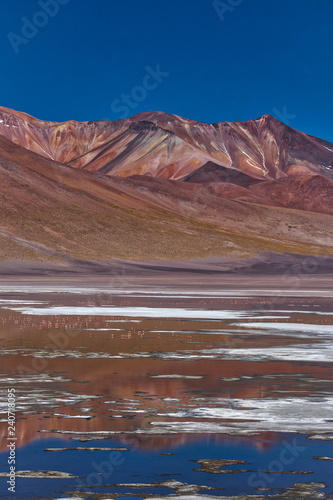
x: 41, y: 474
x: 213, y: 466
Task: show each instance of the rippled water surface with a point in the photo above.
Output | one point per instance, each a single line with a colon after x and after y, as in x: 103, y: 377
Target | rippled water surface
x: 190, y: 394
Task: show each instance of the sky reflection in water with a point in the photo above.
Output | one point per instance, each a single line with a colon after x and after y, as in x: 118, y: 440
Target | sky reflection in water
x: 183, y: 380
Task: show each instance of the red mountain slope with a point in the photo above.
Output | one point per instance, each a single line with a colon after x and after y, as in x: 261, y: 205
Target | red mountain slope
x: 164, y: 145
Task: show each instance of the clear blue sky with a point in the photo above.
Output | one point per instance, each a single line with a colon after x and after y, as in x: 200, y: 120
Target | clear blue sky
x: 258, y: 57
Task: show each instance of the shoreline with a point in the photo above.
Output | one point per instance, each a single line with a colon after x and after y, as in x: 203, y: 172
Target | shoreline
x: 278, y: 273
x: 162, y: 284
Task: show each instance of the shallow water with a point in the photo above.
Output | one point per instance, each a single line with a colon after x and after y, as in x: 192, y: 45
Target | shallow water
x: 129, y: 394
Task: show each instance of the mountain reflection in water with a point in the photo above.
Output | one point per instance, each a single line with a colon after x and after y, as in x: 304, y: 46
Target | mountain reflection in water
x: 166, y: 381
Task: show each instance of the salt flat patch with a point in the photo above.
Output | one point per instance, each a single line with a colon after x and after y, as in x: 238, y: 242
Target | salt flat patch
x: 50, y: 289
x: 29, y: 378
x: 44, y: 353
x: 64, y: 415
x: 321, y: 437
x: 80, y: 433
x: 147, y: 312
x: 176, y: 376
x: 222, y: 293
x: 8, y: 302
x: 308, y: 352
x: 260, y: 315
x: 123, y: 291
x: 321, y: 352
x: 45, y: 400
x: 123, y: 321
x: 292, y: 311
x: 278, y: 415
x: 291, y: 328
x: 186, y: 295
x: 101, y: 329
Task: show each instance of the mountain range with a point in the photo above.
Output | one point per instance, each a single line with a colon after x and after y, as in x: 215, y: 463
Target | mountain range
x: 158, y: 186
